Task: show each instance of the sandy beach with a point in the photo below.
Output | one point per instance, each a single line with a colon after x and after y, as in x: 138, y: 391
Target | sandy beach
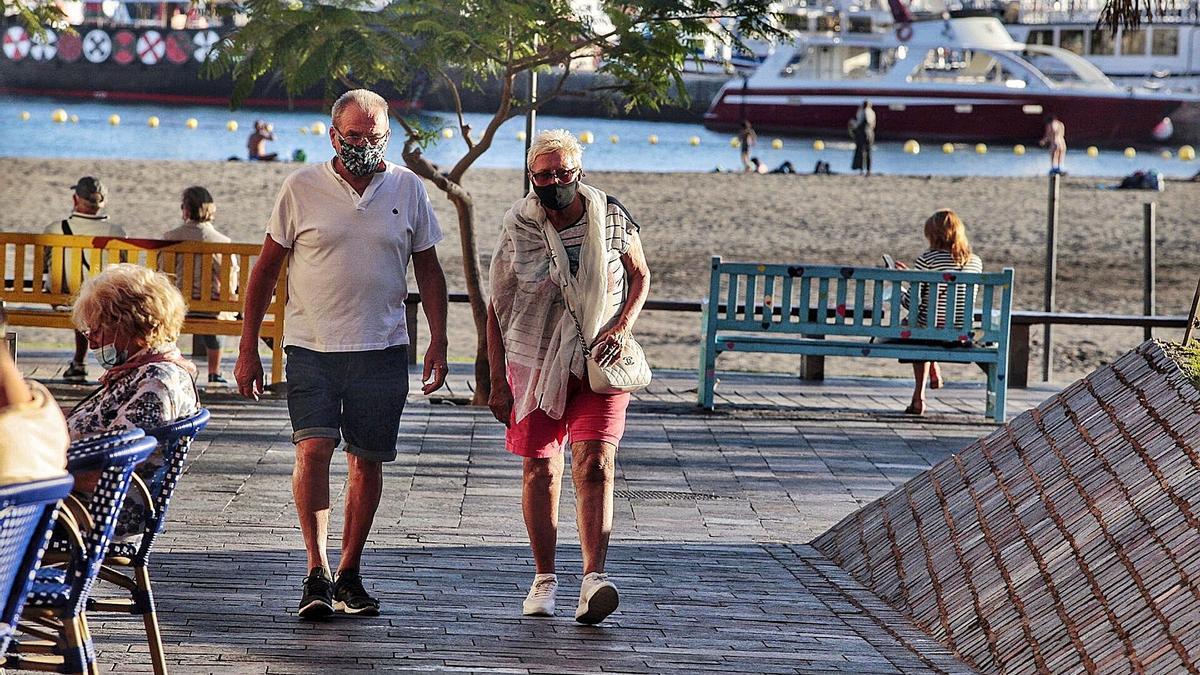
x: 686, y: 218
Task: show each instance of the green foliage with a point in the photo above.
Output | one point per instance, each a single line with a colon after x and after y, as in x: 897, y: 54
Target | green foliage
x: 35, y: 15
x: 643, y: 44
x: 1188, y: 358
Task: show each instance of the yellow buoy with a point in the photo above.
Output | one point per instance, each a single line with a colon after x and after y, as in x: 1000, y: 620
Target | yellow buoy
x: 1130, y: 153
x: 912, y: 147
x: 777, y: 144
x: 521, y: 136
x: 587, y: 137
x: 1187, y: 153
x: 58, y: 116
x: 1093, y: 151
x: 152, y: 122
x: 653, y: 139
x: 114, y: 119
x: 317, y: 128
x: 447, y: 133
x: 231, y: 125
x: 948, y: 148
x: 24, y: 116
x: 735, y: 143
x: 694, y: 140
x: 1165, y: 154
x: 614, y: 139
x: 1018, y: 149
x: 192, y: 123
x: 818, y: 145
x: 980, y: 149
x: 304, y: 130
x: 74, y: 119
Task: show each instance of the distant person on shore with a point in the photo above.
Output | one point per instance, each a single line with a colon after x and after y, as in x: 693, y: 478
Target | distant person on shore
x: 1055, y: 140
x: 948, y: 250
x: 747, y: 139
x: 256, y: 145
x: 198, y: 210
x: 88, y: 199
x: 862, y: 132
x: 347, y: 228
x: 564, y: 245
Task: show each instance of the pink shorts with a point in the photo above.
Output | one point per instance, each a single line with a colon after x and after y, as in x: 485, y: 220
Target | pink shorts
x: 588, y: 417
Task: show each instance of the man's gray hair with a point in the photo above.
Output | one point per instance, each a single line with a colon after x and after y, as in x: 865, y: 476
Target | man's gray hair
x: 556, y: 141
x: 367, y: 100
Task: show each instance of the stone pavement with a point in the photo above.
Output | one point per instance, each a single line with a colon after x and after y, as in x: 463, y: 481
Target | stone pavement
x: 713, y: 516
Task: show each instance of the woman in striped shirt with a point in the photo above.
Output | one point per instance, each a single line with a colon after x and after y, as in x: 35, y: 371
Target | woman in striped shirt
x: 949, y: 250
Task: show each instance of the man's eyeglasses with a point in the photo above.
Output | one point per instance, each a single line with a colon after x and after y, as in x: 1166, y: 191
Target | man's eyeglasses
x: 560, y: 176
x: 359, y: 139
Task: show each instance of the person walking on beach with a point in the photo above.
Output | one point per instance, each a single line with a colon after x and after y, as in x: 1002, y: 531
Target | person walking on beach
x: 747, y: 139
x: 539, y: 381
x: 862, y: 131
x: 88, y: 199
x: 198, y: 211
x: 256, y: 145
x: 347, y: 229
x: 1055, y: 140
x: 949, y: 250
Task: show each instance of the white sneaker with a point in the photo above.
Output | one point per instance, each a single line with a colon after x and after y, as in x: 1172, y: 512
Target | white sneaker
x: 597, y: 598
x: 540, y: 600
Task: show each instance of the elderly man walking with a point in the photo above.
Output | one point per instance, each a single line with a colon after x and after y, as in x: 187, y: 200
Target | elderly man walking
x: 347, y: 229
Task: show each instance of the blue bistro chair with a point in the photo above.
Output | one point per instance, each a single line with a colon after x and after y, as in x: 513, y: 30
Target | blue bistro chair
x: 132, y: 558
x: 55, y: 609
x: 26, y: 521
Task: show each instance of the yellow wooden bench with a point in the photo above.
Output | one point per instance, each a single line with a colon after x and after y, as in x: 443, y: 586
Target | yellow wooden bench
x: 41, y: 273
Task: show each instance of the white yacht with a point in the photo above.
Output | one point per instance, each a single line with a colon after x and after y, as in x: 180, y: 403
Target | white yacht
x: 953, y: 79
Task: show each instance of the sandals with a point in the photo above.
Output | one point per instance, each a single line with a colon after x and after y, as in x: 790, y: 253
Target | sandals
x: 914, y: 410
x: 935, y: 379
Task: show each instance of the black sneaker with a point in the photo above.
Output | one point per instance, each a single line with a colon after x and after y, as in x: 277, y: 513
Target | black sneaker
x: 75, y: 372
x: 317, y: 601
x: 217, y: 378
x: 350, y: 596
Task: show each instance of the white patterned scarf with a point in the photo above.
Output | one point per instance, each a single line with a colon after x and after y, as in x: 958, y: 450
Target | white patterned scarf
x: 540, y: 339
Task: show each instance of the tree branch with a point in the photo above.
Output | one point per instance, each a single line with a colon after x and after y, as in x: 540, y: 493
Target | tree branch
x: 489, y: 133
x: 463, y: 127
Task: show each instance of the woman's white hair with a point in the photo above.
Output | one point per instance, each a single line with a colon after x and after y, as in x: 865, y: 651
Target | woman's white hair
x: 556, y: 140
x: 368, y: 101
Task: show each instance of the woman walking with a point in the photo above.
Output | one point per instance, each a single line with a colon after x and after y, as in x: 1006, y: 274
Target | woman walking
x: 540, y: 390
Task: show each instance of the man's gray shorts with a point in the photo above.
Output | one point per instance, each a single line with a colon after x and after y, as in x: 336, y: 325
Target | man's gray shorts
x: 358, y: 396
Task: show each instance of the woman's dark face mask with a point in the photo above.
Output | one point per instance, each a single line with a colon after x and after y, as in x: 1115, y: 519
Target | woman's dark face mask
x: 557, y: 197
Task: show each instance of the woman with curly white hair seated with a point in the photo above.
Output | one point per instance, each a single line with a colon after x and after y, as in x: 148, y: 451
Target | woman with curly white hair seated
x: 132, y: 316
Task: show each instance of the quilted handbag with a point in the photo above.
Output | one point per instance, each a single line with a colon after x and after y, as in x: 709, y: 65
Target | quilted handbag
x: 630, y: 372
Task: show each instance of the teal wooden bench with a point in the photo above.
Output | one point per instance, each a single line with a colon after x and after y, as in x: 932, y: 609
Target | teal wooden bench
x: 823, y: 310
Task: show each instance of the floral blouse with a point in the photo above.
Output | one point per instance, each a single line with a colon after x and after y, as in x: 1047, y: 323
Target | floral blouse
x: 151, y: 396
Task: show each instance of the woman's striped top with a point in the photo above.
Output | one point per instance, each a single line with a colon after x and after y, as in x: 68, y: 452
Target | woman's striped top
x: 939, y: 260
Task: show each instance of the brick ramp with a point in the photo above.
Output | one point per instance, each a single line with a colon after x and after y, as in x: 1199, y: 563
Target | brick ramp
x: 1065, y: 541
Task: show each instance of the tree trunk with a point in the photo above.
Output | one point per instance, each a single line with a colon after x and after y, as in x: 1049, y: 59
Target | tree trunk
x: 464, y: 204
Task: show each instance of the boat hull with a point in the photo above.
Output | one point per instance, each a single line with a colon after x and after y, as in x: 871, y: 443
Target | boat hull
x: 941, y: 115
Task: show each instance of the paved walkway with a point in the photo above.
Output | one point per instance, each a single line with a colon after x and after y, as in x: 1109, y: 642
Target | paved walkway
x: 713, y: 513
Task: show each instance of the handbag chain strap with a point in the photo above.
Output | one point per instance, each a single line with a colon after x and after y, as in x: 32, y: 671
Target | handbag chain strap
x: 587, y: 352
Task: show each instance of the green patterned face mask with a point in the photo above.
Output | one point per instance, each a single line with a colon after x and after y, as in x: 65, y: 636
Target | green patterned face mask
x: 362, y: 160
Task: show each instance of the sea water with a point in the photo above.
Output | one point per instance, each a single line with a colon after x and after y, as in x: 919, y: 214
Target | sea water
x: 617, y: 145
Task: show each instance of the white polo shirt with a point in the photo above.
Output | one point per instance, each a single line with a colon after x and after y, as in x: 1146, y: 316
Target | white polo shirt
x: 349, y: 255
